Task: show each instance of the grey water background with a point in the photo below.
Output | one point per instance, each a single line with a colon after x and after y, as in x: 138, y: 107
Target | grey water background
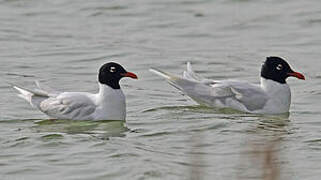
x: 166, y: 135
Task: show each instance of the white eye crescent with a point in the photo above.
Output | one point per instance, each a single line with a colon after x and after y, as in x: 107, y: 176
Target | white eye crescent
x: 279, y: 67
x: 112, y: 69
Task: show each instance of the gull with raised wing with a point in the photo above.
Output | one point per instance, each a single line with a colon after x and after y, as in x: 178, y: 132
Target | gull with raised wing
x: 272, y: 96
x: 108, y: 104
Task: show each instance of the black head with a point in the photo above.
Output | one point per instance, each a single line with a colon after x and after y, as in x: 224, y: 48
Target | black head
x: 277, y: 69
x: 111, y: 73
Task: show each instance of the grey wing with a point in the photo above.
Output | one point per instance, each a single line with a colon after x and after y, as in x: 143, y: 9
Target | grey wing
x: 228, y: 93
x: 196, y: 87
x: 203, y: 92
x: 251, y: 96
x: 69, y: 106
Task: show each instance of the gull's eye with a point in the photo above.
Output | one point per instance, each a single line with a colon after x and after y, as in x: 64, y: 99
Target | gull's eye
x: 112, y: 69
x: 279, y: 67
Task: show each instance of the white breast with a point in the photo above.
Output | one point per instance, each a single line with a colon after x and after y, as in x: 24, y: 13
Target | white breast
x: 111, y: 104
x: 279, y: 96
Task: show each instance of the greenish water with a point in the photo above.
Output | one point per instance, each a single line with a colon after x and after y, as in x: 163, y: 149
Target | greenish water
x: 166, y: 135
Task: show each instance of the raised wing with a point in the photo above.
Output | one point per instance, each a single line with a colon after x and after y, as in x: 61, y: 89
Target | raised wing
x: 47, y: 89
x: 69, y: 106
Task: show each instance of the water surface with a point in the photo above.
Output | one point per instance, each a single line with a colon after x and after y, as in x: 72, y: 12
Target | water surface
x: 166, y: 136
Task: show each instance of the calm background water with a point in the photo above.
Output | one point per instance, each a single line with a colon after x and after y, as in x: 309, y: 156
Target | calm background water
x: 166, y: 136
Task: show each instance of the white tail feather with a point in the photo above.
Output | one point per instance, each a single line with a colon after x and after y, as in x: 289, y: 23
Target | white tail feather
x: 31, y: 95
x: 24, y: 94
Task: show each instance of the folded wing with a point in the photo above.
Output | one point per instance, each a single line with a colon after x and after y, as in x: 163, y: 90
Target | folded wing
x: 59, y: 105
x: 69, y: 106
x: 235, y: 94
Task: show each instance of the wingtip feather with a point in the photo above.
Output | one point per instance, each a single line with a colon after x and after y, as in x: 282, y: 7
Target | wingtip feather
x: 188, y: 66
x: 160, y: 73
